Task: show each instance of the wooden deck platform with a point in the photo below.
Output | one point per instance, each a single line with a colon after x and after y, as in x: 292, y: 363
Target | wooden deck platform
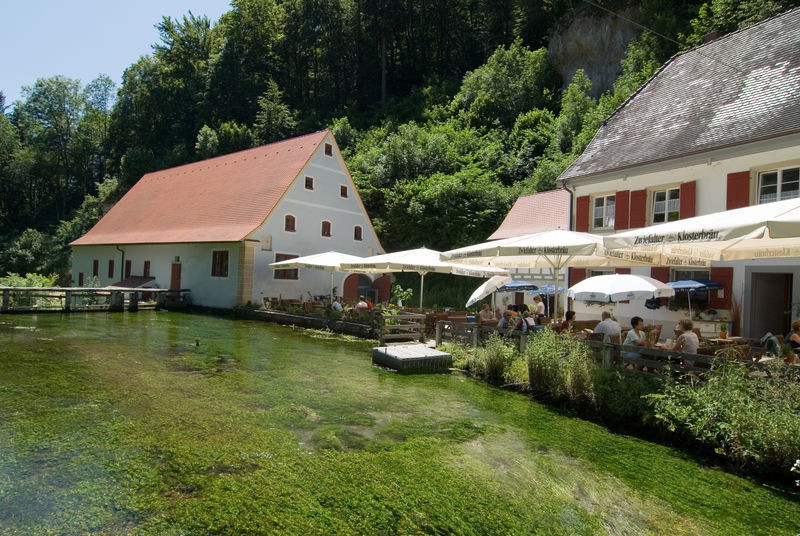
x: 411, y: 358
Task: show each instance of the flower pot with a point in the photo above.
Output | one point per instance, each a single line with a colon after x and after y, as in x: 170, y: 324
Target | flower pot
x: 723, y: 334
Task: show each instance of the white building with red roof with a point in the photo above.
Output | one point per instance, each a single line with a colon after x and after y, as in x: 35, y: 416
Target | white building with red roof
x: 214, y: 226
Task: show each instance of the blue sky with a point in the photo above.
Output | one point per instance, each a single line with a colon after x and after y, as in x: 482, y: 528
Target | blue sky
x: 82, y: 38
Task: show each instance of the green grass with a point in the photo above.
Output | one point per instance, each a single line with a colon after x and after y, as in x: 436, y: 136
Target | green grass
x: 119, y: 424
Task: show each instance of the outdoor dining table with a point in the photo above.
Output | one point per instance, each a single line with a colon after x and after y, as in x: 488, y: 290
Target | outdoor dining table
x: 730, y: 340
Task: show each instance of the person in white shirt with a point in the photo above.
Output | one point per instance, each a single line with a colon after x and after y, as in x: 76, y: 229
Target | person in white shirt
x: 336, y: 305
x: 486, y: 314
x: 608, y: 327
x: 361, y: 306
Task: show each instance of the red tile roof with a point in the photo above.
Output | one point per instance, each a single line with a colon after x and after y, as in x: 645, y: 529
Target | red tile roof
x: 535, y: 213
x: 221, y: 199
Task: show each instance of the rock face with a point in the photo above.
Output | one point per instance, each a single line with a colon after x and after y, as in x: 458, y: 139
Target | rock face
x: 595, y: 42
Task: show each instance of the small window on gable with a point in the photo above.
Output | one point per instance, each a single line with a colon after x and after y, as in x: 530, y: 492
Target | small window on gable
x: 309, y: 183
x: 95, y: 268
x: 284, y: 274
x: 328, y: 149
x: 219, y: 264
x: 146, y: 268
x: 342, y: 191
x: 357, y: 232
x: 288, y: 223
x: 111, y: 268
x: 326, y: 228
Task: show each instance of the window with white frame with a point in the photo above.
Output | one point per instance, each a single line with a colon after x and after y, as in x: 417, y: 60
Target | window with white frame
x: 604, y: 211
x: 778, y: 184
x: 666, y: 205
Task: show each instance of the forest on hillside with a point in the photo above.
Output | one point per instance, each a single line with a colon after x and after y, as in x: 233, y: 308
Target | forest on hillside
x: 445, y: 111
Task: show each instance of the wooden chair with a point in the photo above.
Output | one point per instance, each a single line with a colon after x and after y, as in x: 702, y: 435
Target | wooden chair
x: 595, y: 337
x: 615, y: 339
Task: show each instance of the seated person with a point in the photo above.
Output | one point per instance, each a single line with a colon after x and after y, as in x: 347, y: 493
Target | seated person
x: 528, y: 318
x: 361, y: 306
x: 498, y: 314
x: 369, y: 304
x: 569, y: 318
x: 636, y: 336
x: 486, y: 314
x: 608, y: 327
x: 793, y: 337
x: 336, y: 305
x: 520, y: 324
x: 687, y: 341
x: 507, y: 322
x: 510, y: 310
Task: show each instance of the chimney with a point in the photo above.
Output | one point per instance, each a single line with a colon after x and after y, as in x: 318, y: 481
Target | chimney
x: 712, y: 36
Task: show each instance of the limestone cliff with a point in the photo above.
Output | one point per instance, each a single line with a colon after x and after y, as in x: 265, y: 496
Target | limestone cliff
x: 595, y: 42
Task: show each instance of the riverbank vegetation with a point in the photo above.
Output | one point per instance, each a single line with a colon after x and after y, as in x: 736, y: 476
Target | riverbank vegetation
x: 469, y: 115
x: 127, y: 424
x: 750, y: 420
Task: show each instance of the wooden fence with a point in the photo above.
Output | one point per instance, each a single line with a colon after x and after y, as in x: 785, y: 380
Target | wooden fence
x: 637, y: 359
x: 67, y: 299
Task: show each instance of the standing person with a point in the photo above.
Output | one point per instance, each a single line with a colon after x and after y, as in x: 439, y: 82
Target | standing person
x: 538, y: 311
x: 608, y: 327
x: 486, y: 314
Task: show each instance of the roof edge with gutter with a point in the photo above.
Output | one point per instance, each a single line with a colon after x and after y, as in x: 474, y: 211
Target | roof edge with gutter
x: 753, y: 146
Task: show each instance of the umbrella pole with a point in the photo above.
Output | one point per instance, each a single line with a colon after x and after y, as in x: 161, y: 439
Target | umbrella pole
x: 331, y: 287
x: 689, y: 299
x: 421, y: 288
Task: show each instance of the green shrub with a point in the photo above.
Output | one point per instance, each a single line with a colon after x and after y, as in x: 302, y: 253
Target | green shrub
x: 24, y: 299
x: 561, y: 368
x: 517, y: 372
x: 752, y: 419
x: 494, y: 358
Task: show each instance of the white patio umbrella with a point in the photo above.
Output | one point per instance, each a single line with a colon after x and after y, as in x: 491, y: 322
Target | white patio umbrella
x: 488, y: 287
x: 619, y: 287
x: 769, y: 230
x: 330, y: 261
x: 555, y: 249
x: 422, y: 261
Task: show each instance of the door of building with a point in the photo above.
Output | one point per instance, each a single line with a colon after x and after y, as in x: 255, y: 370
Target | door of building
x: 771, y: 303
x: 175, y: 278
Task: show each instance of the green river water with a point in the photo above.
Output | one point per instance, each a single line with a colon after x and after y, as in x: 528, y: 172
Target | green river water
x: 121, y: 424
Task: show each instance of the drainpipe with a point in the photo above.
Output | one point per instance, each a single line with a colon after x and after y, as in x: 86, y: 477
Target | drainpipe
x: 122, y: 264
x: 566, y: 283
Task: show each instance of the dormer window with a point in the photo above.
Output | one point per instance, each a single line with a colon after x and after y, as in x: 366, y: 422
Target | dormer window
x: 309, y: 183
x: 288, y: 224
x: 326, y: 228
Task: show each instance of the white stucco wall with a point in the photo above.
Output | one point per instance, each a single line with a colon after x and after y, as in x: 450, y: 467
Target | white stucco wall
x: 195, y: 261
x: 710, y: 171
x: 310, y: 208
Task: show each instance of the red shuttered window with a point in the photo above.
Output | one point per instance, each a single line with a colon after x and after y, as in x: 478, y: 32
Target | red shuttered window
x: 582, y: 214
x: 738, y: 192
